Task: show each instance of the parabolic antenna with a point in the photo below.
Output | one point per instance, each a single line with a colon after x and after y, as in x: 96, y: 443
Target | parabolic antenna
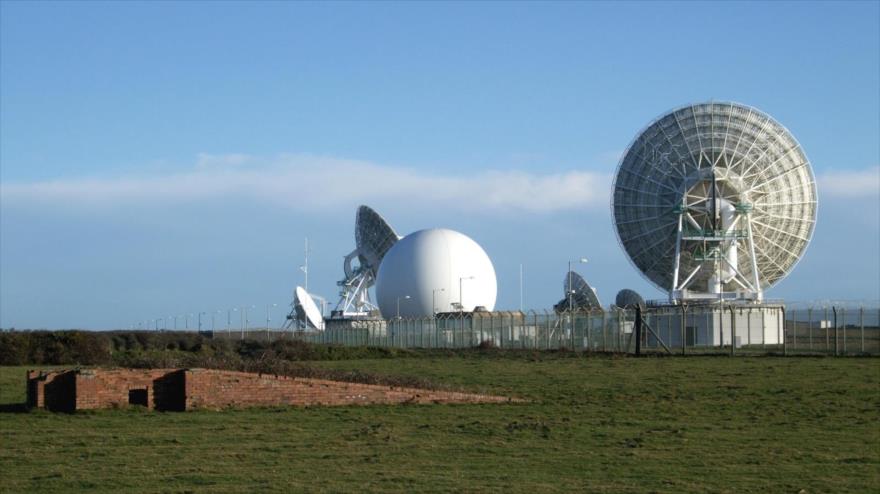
x: 583, y: 296
x: 373, y: 238
x: 627, y: 299
x: 714, y: 201
x: 306, y: 309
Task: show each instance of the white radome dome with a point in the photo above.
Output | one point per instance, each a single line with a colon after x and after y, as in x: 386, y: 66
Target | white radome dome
x: 429, y: 266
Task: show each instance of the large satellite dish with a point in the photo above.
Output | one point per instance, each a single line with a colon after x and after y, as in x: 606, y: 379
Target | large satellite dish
x: 714, y: 201
x: 581, y: 294
x: 373, y: 238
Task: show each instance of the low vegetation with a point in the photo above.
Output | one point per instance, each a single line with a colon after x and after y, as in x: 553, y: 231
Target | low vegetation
x: 592, y: 423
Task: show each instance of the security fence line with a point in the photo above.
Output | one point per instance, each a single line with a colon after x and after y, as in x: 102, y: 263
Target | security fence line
x: 695, y: 329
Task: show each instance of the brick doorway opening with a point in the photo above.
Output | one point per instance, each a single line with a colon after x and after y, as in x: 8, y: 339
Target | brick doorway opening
x: 138, y: 397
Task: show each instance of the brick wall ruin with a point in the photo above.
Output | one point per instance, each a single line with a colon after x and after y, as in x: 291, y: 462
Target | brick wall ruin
x: 187, y: 389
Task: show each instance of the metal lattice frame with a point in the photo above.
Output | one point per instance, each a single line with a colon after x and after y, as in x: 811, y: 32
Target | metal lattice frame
x: 373, y: 237
x: 675, y: 181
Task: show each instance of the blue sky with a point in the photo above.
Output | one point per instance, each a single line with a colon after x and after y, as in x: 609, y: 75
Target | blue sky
x: 168, y: 158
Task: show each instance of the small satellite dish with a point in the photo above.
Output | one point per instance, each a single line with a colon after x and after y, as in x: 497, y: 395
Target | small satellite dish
x: 627, y: 299
x: 582, y: 295
x: 307, y: 311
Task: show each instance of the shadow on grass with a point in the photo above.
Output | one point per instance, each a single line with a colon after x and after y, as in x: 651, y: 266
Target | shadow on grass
x: 14, y: 408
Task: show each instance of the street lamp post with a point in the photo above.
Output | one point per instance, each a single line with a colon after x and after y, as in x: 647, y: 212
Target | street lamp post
x: 405, y: 297
x: 245, y: 319
x: 520, y: 288
x: 460, y: 291
x: 433, y: 300
x: 267, y: 319
x: 229, y: 320
x: 570, y: 294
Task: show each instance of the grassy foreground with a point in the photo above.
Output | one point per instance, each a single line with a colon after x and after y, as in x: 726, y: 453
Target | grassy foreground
x: 597, y: 424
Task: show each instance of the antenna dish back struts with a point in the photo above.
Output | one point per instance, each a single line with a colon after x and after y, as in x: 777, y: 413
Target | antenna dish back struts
x: 373, y: 238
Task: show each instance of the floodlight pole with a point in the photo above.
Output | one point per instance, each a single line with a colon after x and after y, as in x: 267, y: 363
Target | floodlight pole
x: 229, y: 321
x: 267, y: 318
x: 246, y: 320
x: 405, y: 297
x: 570, y: 295
x: 520, y: 287
x: 241, y: 321
x: 461, y: 291
x: 433, y: 300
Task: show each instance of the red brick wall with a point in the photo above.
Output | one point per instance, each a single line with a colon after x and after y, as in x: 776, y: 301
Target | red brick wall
x: 220, y: 389
x: 179, y: 389
x: 109, y: 388
x: 53, y: 390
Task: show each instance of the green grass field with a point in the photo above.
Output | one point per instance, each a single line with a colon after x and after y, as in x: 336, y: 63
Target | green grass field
x: 593, y: 423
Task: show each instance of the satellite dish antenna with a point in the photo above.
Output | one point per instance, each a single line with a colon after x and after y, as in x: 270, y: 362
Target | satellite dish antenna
x: 628, y: 299
x: 373, y: 238
x: 583, y: 296
x: 307, y: 311
x: 714, y: 201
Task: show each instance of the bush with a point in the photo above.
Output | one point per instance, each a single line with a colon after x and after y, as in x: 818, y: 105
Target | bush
x: 54, y: 348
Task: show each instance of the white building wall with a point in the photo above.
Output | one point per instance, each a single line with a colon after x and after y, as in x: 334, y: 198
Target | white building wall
x: 713, y: 326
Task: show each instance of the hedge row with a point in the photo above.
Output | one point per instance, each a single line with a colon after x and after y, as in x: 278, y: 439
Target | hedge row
x: 158, y: 349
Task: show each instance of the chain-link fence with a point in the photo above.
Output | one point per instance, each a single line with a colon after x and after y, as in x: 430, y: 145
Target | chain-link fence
x: 694, y: 329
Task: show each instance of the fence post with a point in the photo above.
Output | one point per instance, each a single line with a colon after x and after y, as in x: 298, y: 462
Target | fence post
x: 836, y: 341
x: 862, y: 328
x: 784, y: 346
x: 843, y: 316
x: 763, y: 332
x: 547, y: 324
x: 749, y: 327
x: 827, y: 336
x: 604, y: 334
x: 732, y: 331
x: 638, y: 330
x: 810, y: 328
x: 683, y: 328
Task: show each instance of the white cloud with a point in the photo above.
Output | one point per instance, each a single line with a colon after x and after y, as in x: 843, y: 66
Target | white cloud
x: 205, y: 160
x: 849, y: 183
x: 317, y: 183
